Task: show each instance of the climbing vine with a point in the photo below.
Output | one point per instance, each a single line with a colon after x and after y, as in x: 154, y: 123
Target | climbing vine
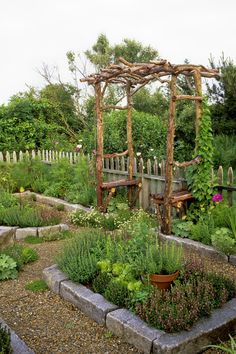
x: 199, y: 176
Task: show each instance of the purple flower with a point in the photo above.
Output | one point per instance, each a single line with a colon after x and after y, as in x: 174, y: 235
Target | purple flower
x: 217, y: 198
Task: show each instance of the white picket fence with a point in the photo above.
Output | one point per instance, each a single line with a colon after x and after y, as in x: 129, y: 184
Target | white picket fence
x: 42, y: 155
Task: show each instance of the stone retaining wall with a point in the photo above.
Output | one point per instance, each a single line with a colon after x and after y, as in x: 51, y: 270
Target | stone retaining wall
x: 133, y: 330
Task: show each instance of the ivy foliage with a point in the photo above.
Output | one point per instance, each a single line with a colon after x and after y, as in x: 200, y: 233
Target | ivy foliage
x: 199, y: 176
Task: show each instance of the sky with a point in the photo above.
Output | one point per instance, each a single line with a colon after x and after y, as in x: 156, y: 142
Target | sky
x: 33, y: 32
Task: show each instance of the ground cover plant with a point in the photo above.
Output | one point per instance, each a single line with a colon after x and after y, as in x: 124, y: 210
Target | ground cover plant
x: 117, y: 265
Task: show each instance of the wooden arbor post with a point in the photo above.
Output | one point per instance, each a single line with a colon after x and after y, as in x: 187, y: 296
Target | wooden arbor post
x: 198, y: 89
x: 99, y: 152
x: 129, y: 140
x: 166, y: 218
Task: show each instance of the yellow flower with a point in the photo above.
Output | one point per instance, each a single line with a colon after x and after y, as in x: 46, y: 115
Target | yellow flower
x: 22, y: 189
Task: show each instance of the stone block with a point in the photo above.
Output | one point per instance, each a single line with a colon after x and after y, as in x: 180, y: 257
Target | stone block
x: 232, y: 259
x: 27, y: 231
x: 93, y: 305
x: 206, y: 331
x: 53, y: 277
x: 48, y: 230
x: 116, y: 319
x: 64, y: 227
x: 7, y: 236
x: 139, y: 334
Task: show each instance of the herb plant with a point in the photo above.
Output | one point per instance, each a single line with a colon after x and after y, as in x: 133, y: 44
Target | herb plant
x: 7, y: 267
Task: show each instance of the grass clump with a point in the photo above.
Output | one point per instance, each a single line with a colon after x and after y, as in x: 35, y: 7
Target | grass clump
x: 38, y: 285
x: 34, y: 240
x: 5, y: 340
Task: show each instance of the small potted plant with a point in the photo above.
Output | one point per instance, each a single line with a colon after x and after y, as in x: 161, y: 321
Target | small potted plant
x: 162, y: 263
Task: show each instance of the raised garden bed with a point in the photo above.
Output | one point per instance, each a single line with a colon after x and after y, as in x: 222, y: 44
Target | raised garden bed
x: 125, y: 324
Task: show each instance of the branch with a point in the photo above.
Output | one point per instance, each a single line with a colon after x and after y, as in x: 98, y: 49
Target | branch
x: 195, y: 161
x: 116, y: 154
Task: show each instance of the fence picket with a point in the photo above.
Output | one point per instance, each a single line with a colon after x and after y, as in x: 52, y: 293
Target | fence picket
x: 220, y: 175
x: 155, y: 167
x: 149, y: 167
x: 14, y: 157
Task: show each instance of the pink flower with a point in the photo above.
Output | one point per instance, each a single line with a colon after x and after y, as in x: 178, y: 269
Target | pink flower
x: 217, y: 198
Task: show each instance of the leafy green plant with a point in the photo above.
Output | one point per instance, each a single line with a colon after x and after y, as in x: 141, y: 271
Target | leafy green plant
x: 199, y: 176
x: 5, y: 340
x: 37, y: 285
x: 7, y: 267
x: 7, y: 200
x: 21, y: 255
x: 223, y: 240
x: 182, y: 228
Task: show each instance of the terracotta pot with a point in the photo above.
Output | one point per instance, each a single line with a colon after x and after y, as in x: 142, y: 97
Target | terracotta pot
x: 163, y: 281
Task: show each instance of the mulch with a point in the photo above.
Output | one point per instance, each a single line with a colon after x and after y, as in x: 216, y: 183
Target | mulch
x: 48, y: 324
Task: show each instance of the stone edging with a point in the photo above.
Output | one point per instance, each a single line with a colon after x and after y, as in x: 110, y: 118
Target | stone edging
x: 17, y: 344
x: 205, y: 250
x: 54, y: 201
x: 132, y: 329
x: 9, y: 234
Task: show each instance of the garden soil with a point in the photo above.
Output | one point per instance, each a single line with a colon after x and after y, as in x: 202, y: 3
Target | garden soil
x: 50, y: 325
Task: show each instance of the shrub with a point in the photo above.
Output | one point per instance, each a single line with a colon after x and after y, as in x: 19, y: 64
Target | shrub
x: 101, y: 282
x: 5, y: 340
x: 7, y: 267
x: 117, y: 292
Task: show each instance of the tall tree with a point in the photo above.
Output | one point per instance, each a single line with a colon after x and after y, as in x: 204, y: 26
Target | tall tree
x: 222, y: 94
x: 102, y: 53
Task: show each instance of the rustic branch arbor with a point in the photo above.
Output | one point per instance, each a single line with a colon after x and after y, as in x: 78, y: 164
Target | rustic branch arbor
x: 133, y: 76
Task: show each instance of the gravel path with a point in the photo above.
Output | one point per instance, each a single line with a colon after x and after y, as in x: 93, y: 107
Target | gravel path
x: 49, y: 325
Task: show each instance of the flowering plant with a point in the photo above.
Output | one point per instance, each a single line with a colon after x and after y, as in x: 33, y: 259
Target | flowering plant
x: 217, y: 198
